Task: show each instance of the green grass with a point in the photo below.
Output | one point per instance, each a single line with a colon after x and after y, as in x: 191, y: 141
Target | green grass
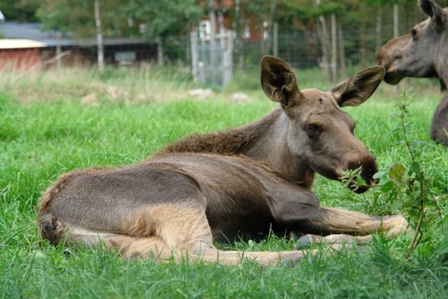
x: 41, y: 140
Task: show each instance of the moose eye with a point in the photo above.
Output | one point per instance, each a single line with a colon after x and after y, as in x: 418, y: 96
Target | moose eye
x: 312, y: 129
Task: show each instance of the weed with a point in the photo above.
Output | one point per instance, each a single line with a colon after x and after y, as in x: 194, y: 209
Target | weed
x: 408, y: 189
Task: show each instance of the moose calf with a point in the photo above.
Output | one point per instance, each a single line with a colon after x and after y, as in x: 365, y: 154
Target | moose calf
x: 242, y: 182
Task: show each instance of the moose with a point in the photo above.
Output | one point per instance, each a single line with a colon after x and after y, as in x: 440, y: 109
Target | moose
x: 422, y: 53
x: 240, y: 183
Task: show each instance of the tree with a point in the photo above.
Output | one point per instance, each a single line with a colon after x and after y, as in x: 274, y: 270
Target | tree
x: 256, y: 14
x: 19, y: 10
x: 320, y: 10
x: 85, y: 19
x: 164, y: 19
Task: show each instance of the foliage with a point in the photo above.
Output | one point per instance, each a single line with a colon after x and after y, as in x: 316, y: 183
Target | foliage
x: 19, y: 10
x: 165, y: 18
x: 309, y: 10
x: 409, y: 191
x: 79, y: 19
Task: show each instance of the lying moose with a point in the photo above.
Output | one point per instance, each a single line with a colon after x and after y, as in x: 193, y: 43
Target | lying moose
x: 422, y: 53
x: 217, y: 186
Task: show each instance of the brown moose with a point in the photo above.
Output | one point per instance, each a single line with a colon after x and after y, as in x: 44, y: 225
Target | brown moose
x: 422, y: 53
x: 238, y: 183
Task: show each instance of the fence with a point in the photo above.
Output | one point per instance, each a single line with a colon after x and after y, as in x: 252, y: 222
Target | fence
x: 211, y: 60
x: 356, y: 43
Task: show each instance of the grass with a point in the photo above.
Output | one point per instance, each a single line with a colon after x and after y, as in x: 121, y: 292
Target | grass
x: 46, y: 130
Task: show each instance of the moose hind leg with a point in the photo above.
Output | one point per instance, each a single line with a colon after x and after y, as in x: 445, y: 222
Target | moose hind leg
x: 439, y: 125
x: 180, y: 226
x: 52, y: 230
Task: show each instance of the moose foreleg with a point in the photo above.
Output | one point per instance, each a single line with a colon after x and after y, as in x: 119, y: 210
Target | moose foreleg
x: 341, y: 227
x: 355, y: 223
x: 266, y: 258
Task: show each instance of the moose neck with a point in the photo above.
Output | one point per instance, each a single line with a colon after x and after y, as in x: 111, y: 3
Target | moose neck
x: 440, y: 62
x: 263, y: 140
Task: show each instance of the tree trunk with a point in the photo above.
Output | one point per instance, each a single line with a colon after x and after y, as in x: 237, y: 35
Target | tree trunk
x: 325, y: 45
x: 341, y: 51
x: 267, y: 43
x: 379, y: 28
x: 99, y: 35
x: 213, y: 57
x: 275, y: 39
x: 58, y: 50
x: 324, y: 41
x: 396, y: 24
x: 362, y: 36
x: 160, y: 51
x: 239, y: 29
x: 334, y: 50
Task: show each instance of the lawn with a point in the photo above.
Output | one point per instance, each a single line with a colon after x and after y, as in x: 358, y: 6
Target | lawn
x: 47, y: 130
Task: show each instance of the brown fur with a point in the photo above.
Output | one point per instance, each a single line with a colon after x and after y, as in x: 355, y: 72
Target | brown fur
x: 223, y: 186
x: 423, y: 53
x: 203, y: 198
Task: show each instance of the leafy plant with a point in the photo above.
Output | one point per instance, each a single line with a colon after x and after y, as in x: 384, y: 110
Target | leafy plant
x: 407, y: 187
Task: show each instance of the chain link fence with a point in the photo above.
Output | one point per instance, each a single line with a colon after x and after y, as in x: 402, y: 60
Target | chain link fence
x: 337, y: 43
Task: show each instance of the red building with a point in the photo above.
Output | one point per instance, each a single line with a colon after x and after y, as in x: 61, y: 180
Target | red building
x: 19, y: 54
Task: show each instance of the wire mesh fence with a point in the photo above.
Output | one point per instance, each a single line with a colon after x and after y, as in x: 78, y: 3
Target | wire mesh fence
x: 339, y: 45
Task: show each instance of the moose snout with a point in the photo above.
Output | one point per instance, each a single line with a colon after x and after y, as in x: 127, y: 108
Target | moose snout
x: 366, y: 168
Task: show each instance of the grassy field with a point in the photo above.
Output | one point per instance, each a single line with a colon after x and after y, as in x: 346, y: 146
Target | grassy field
x: 47, y: 129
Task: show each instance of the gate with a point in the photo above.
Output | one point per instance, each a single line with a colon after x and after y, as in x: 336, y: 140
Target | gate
x: 211, y: 59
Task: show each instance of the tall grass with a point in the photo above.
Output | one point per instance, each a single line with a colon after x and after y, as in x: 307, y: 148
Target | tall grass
x: 147, y: 83
x: 46, y: 130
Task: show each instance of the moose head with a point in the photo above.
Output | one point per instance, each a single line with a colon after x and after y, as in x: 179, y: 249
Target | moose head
x: 319, y: 133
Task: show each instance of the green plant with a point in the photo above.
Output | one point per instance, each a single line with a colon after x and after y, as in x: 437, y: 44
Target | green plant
x: 408, y: 188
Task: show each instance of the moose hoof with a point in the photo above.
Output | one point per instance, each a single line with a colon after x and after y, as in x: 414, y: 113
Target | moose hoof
x: 303, y: 242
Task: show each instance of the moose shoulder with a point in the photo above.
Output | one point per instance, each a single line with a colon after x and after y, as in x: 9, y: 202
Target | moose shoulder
x: 243, y: 182
x: 422, y: 53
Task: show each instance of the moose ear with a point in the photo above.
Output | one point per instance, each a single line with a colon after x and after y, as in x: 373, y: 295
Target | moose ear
x: 278, y: 80
x: 359, y: 87
x: 439, y: 19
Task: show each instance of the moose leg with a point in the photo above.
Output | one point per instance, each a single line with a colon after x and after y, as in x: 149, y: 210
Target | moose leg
x: 336, y: 226
x: 186, y: 233
x: 308, y: 240
x: 355, y: 223
x: 439, y: 125
x: 269, y: 258
x: 174, y: 234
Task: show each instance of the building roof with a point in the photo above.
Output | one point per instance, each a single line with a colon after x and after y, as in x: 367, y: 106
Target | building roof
x: 33, y: 32
x: 20, y: 44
